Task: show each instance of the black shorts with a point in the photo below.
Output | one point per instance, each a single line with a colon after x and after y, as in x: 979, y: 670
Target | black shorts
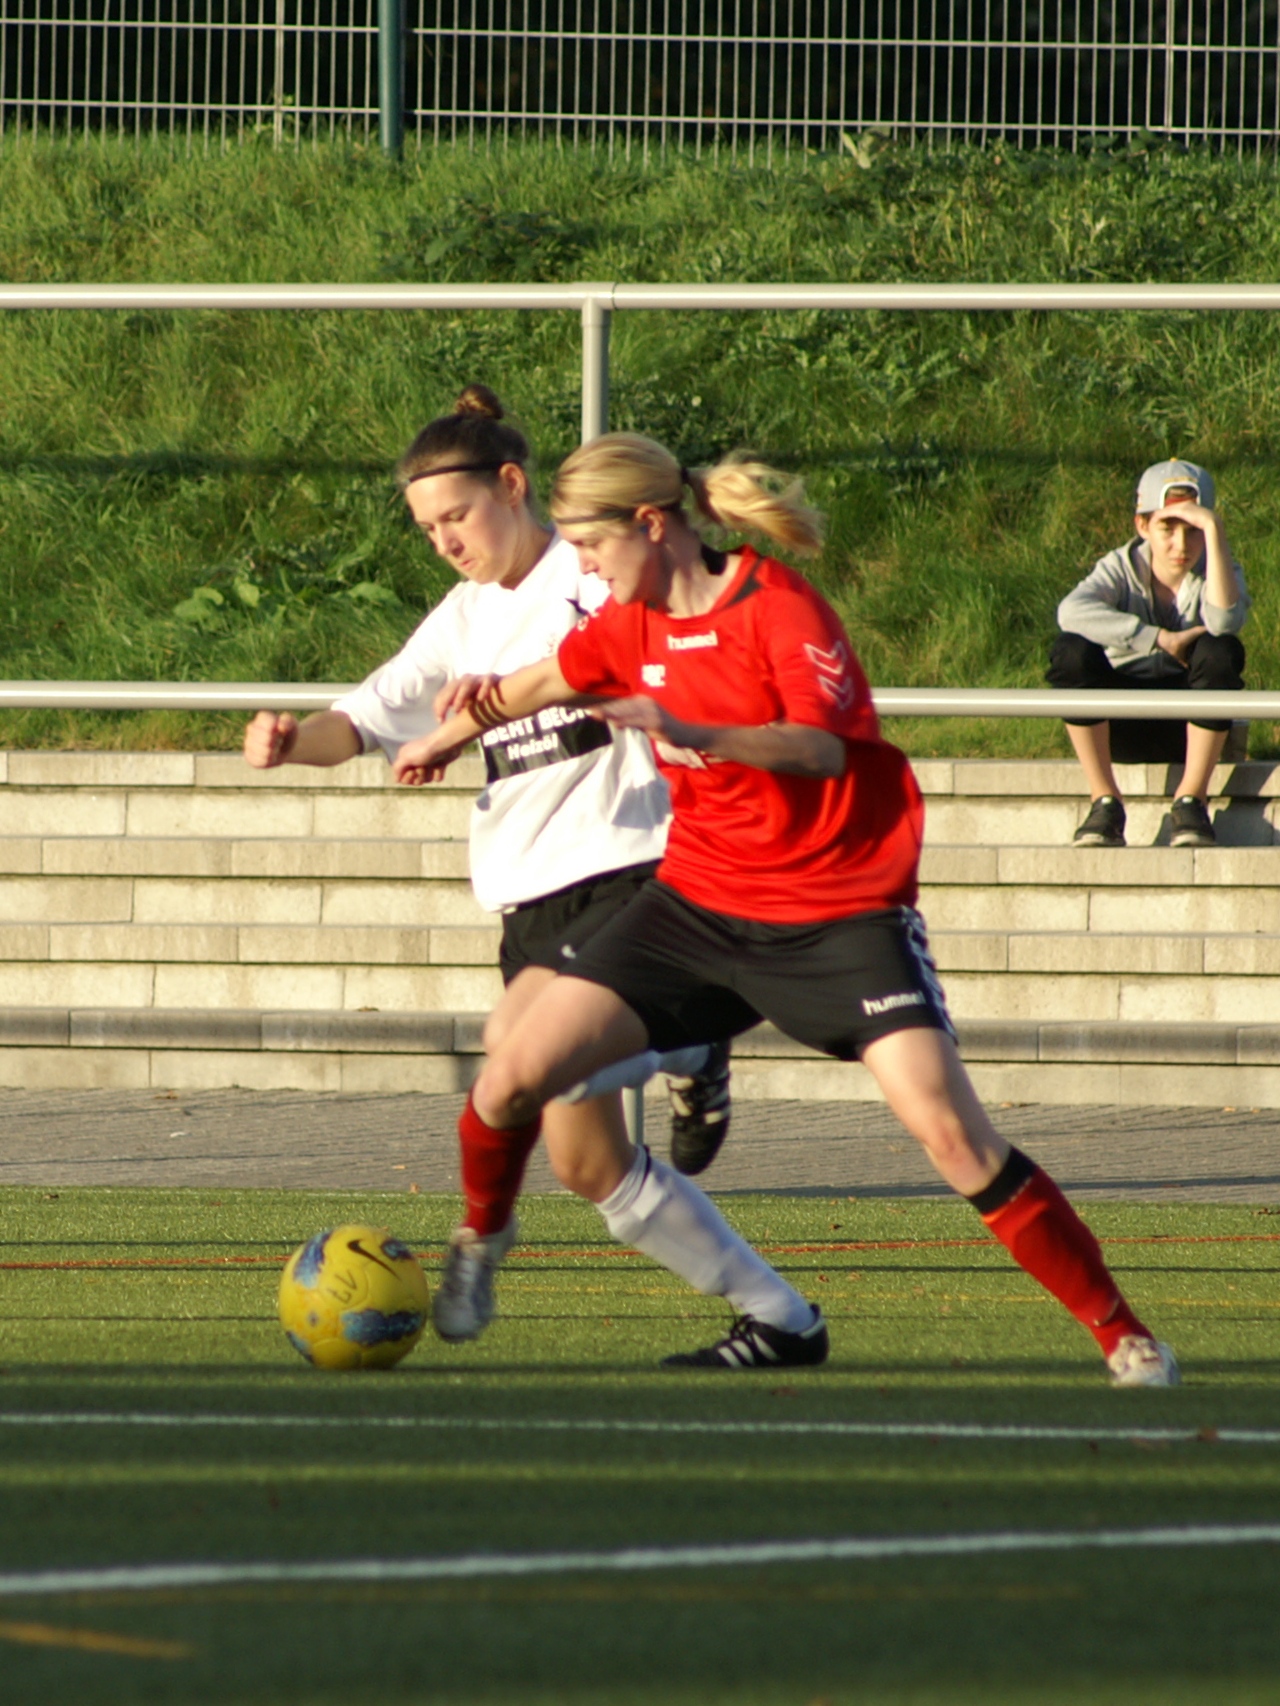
x: 536, y: 933
x: 695, y: 976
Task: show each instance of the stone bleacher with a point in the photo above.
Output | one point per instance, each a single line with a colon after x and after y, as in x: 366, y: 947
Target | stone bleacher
x: 180, y: 921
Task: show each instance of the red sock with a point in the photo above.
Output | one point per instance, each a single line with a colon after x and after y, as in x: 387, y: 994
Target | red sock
x: 1046, y: 1237
x: 493, y: 1163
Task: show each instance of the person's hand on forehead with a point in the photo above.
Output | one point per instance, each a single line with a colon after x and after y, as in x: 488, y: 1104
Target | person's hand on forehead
x: 1182, y: 503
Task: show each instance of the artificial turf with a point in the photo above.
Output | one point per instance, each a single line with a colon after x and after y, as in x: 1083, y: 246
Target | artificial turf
x: 139, y: 1305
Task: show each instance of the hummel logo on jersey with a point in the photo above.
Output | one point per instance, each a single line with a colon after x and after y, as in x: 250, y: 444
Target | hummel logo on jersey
x: 653, y: 674
x: 831, y: 667
x: 691, y: 642
x: 887, y: 1003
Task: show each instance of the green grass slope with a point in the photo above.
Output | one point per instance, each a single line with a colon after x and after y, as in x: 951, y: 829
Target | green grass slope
x: 152, y: 1414
x: 188, y: 496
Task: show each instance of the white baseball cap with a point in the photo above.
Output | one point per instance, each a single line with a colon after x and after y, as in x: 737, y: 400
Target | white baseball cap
x: 1164, y: 477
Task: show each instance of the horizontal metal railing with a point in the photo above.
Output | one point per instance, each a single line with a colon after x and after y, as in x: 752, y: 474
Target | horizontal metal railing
x: 617, y: 294
x: 596, y: 302
x: 889, y: 701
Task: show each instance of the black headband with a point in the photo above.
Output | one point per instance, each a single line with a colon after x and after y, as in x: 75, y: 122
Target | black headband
x: 461, y: 468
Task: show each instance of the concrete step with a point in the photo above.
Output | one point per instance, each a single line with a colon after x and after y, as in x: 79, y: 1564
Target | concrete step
x: 174, y: 856
x: 1051, y: 824
x: 1158, y: 868
x: 401, y: 885
x: 210, y: 984
x: 131, y: 770
x: 148, y: 883
x: 361, y: 1053
x: 246, y: 900
x: 971, y: 802
x: 1173, y: 911
x: 278, y: 814
x: 1064, y: 949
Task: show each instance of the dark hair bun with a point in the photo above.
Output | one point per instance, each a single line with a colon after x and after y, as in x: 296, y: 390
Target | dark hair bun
x: 479, y: 400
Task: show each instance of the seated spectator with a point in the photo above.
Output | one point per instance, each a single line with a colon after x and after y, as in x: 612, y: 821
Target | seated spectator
x: 1162, y: 611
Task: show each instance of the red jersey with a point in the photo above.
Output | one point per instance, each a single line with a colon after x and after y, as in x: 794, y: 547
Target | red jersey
x: 756, y: 843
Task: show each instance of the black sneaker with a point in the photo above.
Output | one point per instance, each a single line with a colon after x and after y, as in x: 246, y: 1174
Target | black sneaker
x: 1104, y: 826
x: 755, y: 1344
x: 700, y: 1113
x: 1189, y: 822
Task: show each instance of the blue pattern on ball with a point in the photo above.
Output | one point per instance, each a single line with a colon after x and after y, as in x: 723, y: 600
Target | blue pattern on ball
x: 372, y: 1327
x: 311, y: 1259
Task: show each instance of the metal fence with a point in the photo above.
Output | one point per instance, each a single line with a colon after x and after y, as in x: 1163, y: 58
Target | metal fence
x: 737, y: 75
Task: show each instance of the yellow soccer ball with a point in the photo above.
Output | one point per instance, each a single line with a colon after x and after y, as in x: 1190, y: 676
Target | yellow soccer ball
x: 353, y: 1297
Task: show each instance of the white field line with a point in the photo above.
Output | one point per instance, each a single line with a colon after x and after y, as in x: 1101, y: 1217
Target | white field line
x: 629, y: 1425
x: 143, y: 1578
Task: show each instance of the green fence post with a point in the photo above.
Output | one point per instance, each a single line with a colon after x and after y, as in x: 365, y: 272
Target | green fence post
x: 391, y: 76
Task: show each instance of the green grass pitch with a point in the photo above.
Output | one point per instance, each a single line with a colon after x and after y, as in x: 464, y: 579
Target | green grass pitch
x: 151, y: 1414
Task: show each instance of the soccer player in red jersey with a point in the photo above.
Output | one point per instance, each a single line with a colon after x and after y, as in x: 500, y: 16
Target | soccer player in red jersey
x: 789, y: 882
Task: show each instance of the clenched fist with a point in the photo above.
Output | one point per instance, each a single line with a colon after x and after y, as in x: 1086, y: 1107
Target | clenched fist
x: 269, y: 738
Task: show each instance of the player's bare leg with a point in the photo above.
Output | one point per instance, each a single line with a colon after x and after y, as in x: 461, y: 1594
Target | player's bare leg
x: 587, y: 1145
x: 923, y: 1080
x: 572, y: 1030
x: 925, y: 1084
x: 519, y: 995
x: 492, y: 1164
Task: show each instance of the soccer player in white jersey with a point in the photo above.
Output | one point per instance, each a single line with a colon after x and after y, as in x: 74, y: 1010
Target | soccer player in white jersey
x: 569, y: 828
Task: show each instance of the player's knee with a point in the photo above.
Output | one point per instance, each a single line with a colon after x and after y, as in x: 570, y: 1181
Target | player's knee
x: 945, y: 1137
x: 503, y: 1095
x: 579, y: 1172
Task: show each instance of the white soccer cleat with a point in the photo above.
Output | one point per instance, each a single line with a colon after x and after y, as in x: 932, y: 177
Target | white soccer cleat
x: 1137, y: 1361
x: 463, y: 1305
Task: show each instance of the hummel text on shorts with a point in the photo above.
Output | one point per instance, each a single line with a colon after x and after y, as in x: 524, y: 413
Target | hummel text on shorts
x: 872, y: 1004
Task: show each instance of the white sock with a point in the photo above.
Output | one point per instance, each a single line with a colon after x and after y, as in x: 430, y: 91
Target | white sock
x: 659, y: 1211
x: 638, y: 1069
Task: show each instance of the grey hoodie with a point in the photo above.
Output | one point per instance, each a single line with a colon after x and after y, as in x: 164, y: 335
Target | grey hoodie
x: 1114, y: 607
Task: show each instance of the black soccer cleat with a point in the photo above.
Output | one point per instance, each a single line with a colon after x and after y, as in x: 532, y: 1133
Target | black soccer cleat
x: 700, y: 1113
x: 755, y: 1344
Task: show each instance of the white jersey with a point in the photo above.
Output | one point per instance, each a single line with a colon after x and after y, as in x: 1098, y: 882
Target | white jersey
x: 566, y: 797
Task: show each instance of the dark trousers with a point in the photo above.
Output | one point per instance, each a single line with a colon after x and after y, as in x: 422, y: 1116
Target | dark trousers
x: 1215, y: 663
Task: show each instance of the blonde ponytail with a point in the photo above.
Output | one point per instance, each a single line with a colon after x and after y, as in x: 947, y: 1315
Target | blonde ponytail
x: 608, y: 480
x: 741, y: 494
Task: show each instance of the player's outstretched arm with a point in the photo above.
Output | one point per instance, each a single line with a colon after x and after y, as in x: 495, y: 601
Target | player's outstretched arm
x: 500, y: 700
x: 794, y: 749
x: 277, y: 737
x: 460, y: 691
